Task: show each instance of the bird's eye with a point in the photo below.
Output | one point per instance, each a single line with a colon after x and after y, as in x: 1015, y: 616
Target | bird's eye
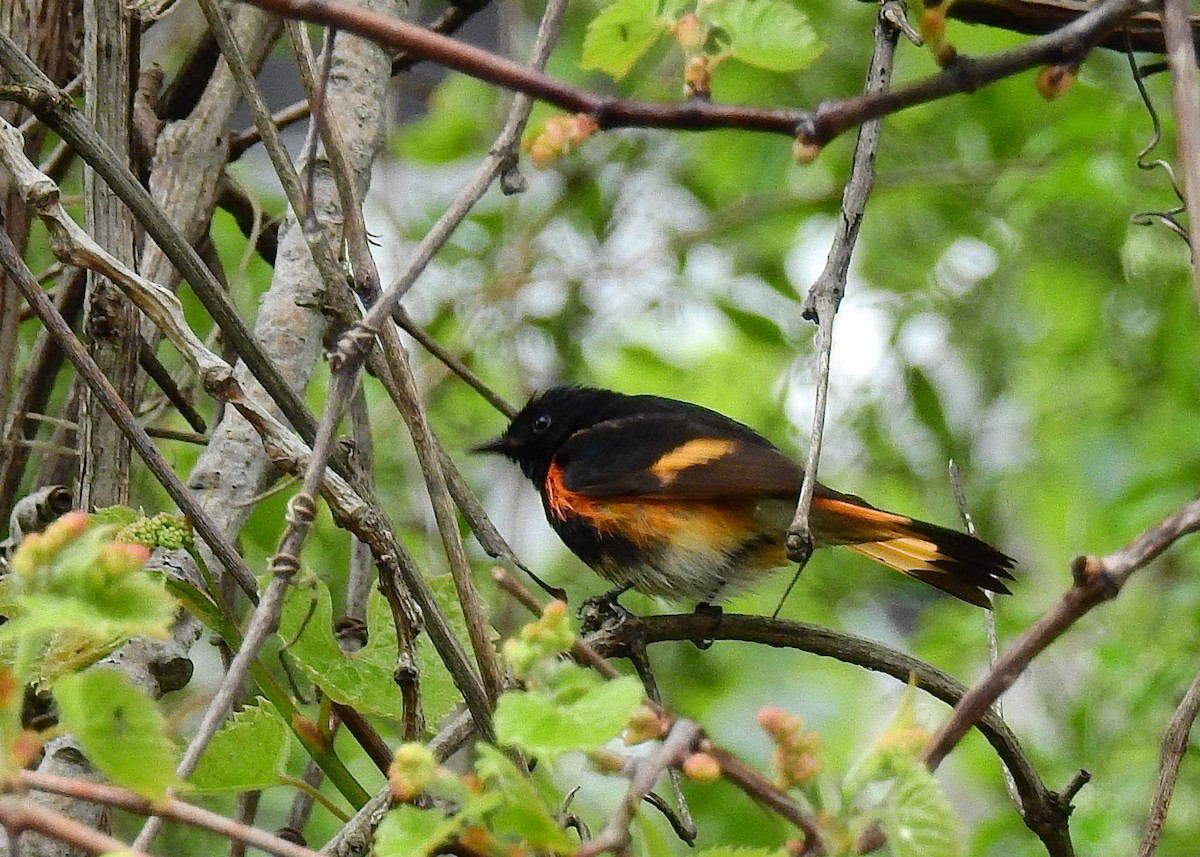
x: 541, y: 424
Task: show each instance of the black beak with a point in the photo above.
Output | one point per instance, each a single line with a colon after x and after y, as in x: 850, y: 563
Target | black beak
x: 498, y: 446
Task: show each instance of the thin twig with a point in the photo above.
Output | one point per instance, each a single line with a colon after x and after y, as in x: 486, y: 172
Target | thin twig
x: 402, y: 318
x: 1097, y: 579
x: 346, y: 379
x: 176, y: 810
x: 33, y: 392
x: 676, y: 747
x: 825, y: 296
x: 58, y: 111
x: 817, y: 126
x: 989, y: 616
x: 1174, y: 745
x: 447, y: 24
x: 841, y: 646
x: 1181, y: 56
x: 302, y: 804
x: 109, y: 400
x: 158, y: 373
x: 19, y: 814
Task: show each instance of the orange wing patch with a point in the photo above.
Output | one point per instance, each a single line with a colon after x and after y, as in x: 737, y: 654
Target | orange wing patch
x: 699, y: 451
x: 647, y: 521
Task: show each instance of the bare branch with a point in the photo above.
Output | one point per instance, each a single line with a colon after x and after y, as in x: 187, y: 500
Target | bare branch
x: 1174, y: 745
x: 1181, y: 56
x: 825, y: 296
x: 57, y: 110
x: 677, y: 746
x: 18, y: 815
x: 1097, y: 579
x: 818, y: 126
x: 176, y: 810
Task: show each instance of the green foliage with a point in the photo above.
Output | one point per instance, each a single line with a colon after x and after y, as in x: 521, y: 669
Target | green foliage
x: 500, y: 808
x: 172, y: 532
x: 769, y: 34
x: 619, y: 36
x: 564, y: 707
x: 407, y: 830
x: 579, y: 715
x: 74, y: 577
x: 122, y: 732
x: 365, y: 679
x: 522, y: 816
x: 248, y: 753
x: 917, y: 818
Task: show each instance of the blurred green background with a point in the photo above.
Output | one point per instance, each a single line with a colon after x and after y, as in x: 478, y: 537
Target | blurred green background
x: 1002, y: 311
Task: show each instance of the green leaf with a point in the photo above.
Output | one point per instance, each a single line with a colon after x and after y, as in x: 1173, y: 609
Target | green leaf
x: 114, y: 516
x: 545, y: 725
x: 928, y: 407
x: 917, y: 818
x: 122, y: 731
x: 618, y: 37
x: 250, y: 752
x: 84, y: 588
x: 522, y: 814
x: 768, y: 34
x: 734, y: 851
x: 364, y: 679
x: 407, y: 831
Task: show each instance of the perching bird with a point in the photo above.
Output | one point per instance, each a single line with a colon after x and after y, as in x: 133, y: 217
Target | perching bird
x: 676, y: 500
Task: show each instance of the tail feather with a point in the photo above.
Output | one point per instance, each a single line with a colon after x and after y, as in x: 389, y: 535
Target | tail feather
x: 954, y: 562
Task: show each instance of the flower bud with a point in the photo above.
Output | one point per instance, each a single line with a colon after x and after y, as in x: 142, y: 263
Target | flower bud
x: 702, y: 768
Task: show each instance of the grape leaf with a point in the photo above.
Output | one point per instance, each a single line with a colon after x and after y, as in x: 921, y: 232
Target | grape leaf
x: 522, y: 813
x: 407, y: 831
x: 768, y: 34
x: 542, y: 723
x: 122, y: 731
x: 364, y: 679
x: 917, y: 818
x: 250, y: 752
x: 618, y: 37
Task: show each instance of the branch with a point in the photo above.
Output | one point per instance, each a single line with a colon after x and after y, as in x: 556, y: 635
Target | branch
x: 1038, y: 17
x: 174, y: 810
x: 844, y: 647
x: 1097, y: 579
x: 1070, y: 43
x: 1181, y: 57
x: 283, y: 447
x: 10, y: 152
x: 18, y: 815
x: 825, y: 296
x: 56, y: 109
x: 677, y: 746
x: 753, y: 784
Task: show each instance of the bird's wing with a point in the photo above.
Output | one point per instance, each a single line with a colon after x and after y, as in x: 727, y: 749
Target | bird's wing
x: 675, y: 456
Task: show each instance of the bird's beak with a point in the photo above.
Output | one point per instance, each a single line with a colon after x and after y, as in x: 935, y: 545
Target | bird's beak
x: 498, y: 446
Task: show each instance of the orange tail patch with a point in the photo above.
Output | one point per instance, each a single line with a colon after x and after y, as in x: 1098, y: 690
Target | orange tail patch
x: 954, y: 562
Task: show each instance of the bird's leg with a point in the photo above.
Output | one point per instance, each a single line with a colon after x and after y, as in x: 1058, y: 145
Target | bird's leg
x: 712, y: 610
x: 604, y: 610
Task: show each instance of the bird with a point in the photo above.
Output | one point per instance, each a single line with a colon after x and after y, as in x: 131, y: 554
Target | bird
x: 675, y: 500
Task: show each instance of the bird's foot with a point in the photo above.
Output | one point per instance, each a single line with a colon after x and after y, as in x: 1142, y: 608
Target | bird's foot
x: 603, y: 612
x: 712, y: 610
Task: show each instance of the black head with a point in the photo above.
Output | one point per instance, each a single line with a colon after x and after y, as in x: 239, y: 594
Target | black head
x: 545, y: 423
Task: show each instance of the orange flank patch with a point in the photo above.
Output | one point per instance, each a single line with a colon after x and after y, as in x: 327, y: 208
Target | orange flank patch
x: 646, y: 521
x: 698, y: 451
